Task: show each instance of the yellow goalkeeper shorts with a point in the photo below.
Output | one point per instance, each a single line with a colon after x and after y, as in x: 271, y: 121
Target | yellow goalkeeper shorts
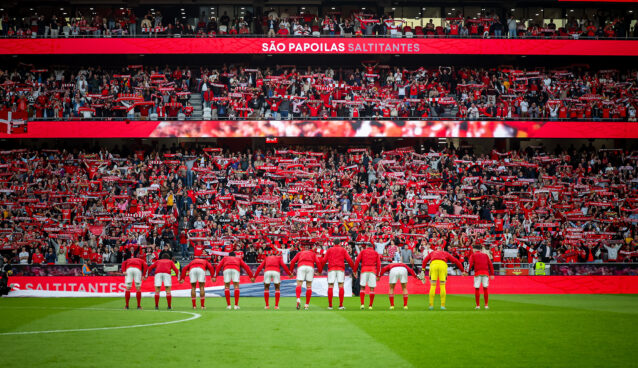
x: 438, y: 271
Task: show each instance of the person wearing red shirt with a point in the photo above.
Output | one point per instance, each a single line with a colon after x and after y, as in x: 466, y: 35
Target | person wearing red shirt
x: 133, y: 268
x: 197, y: 274
x: 370, y: 262
x: 483, y: 268
x: 38, y: 257
x: 163, y: 268
x: 272, y: 266
x: 438, y: 272
x: 306, y: 261
x: 398, y: 272
x: 231, y: 265
x: 335, y: 258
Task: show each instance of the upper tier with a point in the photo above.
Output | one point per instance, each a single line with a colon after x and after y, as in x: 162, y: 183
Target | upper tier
x: 318, y: 45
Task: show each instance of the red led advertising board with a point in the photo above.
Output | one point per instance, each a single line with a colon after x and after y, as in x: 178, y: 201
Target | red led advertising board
x: 322, y: 128
x: 403, y: 46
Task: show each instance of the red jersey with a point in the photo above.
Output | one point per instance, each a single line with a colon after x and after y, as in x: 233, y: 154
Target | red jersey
x: 198, y: 263
x: 306, y: 258
x: 441, y: 255
x: 393, y: 265
x: 370, y: 261
x: 336, y: 257
x: 481, y: 263
x: 272, y: 263
x: 135, y: 263
x: 37, y: 258
x: 233, y: 263
x: 163, y: 266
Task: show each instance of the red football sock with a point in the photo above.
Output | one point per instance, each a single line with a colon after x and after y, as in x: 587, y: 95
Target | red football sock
x: 371, y: 297
x: 477, y: 296
x: 227, y: 295
x: 266, y: 296
x: 169, y: 297
x: 391, y: 296
x: 308, y: 295
x: 362, y: 296
x: 298, y: 291
x: 277, y: 295
x: 405, y: 300
x: 330, y: 297
x: 201, y: 301
x: 236, y: 296
x: 342, y: 293
x: 127, y: 297
x: 485, y: 294
x: 156, y: 300
x: 194, y: 300
x: 138, y: 296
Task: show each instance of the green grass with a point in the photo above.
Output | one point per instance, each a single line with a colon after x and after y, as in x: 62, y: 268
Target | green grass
x: 518, y: 331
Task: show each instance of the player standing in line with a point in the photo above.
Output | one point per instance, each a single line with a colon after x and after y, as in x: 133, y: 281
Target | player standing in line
x: 483, y: 268
x: 370, y: 262
x: 272, y: 266
x: 231, y: 266
x: 197, y: 274
x: 133, y: 268
x: 306, y: 261
x: 163, y: 268
x: 438, y: 272
x: 335, y: 258
x: 398, y: 272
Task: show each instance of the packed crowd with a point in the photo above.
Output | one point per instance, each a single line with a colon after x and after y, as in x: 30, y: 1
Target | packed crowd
x: 522, y: 206
x: 125, y: 22
x: 58, y: 93
x: 370, y: 90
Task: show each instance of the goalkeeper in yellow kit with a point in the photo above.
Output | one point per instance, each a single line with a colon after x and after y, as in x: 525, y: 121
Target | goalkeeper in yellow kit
x: 438, y: 272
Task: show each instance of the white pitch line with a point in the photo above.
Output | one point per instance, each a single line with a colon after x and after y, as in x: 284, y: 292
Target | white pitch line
x: 192, y: 314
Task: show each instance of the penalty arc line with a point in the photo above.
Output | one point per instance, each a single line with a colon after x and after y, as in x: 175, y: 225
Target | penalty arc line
x: 193, y: 316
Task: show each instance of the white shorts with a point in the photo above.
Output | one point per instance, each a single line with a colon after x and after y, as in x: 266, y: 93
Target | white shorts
x: 272, y: 277
x: 133, y: 274
x: 305, y: 273
x: 399, y: 274
x: 163, y: 278
x: 481, y: 279
x: 196, y: 274
x: 368, y: 279
x: 231, y: 275
x: 336, y: 276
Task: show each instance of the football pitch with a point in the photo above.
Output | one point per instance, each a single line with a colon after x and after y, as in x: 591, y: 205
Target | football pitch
x: 518, y: 331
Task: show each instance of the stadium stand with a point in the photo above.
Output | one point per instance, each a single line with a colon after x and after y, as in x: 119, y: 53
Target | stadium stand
x: 61, y: 207
x: 369, y: 90
x: 527, y: 22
